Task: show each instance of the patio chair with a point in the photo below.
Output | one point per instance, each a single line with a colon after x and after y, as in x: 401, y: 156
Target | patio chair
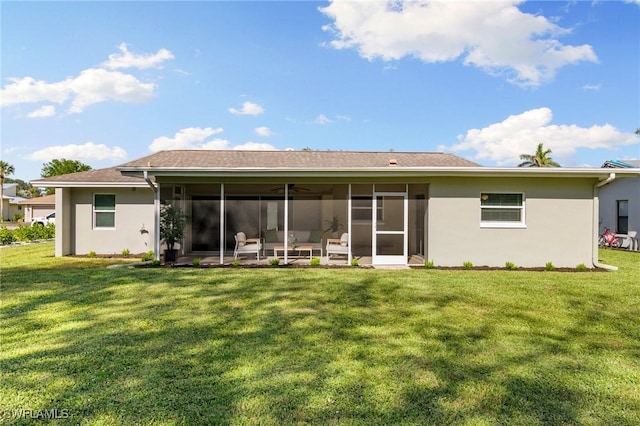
x: 339, y: 246
x: 246, y: 245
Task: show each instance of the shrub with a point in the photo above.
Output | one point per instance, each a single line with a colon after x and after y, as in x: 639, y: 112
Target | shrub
x: 274, y: 262
x: 148, y: 256
x: 156, y: 263
x: 31, y: 233
x: 354, y: 262
x: 126, y: 252
x: 6, y: 236
x: 235, y: 263
x: 510, y: 266
x: 428, y: 264
x: 549, y: 266
x: 91, y: 254
x: 196, y: 261
x: 467, y: 265
x: 581, y: 267
x: 315, y: 261
x: 17, y: 217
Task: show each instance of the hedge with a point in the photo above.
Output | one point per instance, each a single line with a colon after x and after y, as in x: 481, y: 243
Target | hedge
x: 26, y: 233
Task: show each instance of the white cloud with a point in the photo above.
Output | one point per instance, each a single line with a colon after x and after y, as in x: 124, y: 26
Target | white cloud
x: 254, y: 146
x: 97, y: 85
x: 86, y: 152
x: 248, y: 108
x: 28, y: 90
x: 263, y: 131
x: 45, y: 111
x: 196, y: 138
x: 126, y: 59
x: 189, y: 138
x: 633, y: 1
x: 494, y: 36
x: 503, y: 142
x: 594, y: 87
x: 322, y: 120
x: 90, y: 86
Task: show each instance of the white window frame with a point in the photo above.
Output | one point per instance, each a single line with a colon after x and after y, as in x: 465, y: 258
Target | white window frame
x: 504, y: 224
x: 93, y: 207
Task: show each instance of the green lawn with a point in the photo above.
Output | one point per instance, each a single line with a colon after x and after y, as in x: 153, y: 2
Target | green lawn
x: 317, y: 346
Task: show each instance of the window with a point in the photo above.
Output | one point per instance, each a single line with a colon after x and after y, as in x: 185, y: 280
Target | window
x: 623, y: 217
x: 104, y: 210
x: 502, y: 210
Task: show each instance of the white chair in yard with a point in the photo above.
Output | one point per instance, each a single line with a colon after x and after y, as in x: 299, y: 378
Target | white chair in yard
x: 246, y: 245
x: 338, y: 246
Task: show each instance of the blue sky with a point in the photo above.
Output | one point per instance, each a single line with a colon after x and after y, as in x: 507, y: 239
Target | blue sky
x: 108, y: 82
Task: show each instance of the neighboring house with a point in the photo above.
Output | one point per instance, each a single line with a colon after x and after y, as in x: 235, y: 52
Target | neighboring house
x: 620, y: 204
x: 11, y: 206
x: 38, y: 206
x: 395, y: 208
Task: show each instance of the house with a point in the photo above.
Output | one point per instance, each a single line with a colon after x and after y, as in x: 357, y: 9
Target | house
x: 11, y: 206
x: 620, y: 204
x: 391, y: 207
x: 38, y: 206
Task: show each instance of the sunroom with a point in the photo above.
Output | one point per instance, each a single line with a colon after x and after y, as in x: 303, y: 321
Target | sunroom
x: 294, y: 222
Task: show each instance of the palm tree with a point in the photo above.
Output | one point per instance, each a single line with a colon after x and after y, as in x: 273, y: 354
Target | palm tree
x: 539, y: 159
x: 6, y: 169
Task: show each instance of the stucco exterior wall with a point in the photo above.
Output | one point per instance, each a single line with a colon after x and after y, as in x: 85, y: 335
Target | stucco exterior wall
x: 620, y: 189
x: 134, y: 210
x: 559, y: 223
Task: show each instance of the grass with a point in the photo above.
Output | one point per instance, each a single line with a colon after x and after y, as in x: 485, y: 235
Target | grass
x: 352, y: 346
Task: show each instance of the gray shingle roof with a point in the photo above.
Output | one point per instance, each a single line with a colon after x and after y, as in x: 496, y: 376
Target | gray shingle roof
x: 295, y: 159
x: 110, y: 174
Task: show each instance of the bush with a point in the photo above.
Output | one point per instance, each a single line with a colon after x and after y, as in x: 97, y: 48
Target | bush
x: 581, y: 267
x: 196, y: 261
x: 549, y: 266
x: 510, y: 266
x: 315, y: 261
x: 354, y: 262
x: 91, y: 254
x: 274, y: 262
x: 156, y: 263
x: 235, y: 263
x: 148, y: 256
x: 126, y: 252
x: 428, y: 264
x: 467, y: 265
x: 32, y: 233
x: 6, y: 236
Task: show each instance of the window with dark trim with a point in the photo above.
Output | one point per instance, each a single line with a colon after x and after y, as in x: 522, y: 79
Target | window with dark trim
x: 623, y: 217
x: 104, y: 210
x: 502, y: 209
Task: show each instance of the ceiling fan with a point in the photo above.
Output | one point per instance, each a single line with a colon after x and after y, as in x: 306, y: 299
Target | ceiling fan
x: 292, y: 187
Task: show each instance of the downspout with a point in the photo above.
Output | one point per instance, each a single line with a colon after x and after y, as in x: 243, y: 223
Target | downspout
x: 156, y: 215
x: 596, y: 230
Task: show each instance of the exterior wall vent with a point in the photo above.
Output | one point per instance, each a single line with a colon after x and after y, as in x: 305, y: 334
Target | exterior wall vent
x: 393, y: 162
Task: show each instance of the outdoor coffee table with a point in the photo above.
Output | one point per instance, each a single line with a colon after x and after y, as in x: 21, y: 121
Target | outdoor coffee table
x: 299, y: 249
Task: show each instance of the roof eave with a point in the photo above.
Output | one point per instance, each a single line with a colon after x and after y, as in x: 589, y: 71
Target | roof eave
x: 389, y: 171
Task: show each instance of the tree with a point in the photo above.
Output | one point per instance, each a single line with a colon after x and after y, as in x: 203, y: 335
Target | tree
x: 57, y: 167
x: 6, y: 169
x: 539, y: 159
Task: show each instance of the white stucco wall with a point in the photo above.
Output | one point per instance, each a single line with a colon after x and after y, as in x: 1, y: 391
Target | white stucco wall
x: 559, y: 223
x: 134, y: 209
x: 620, y: 189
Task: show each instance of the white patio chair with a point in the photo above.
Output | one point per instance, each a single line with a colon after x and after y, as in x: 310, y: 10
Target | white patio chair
x: 246, y: 245
x: 339, y: 246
